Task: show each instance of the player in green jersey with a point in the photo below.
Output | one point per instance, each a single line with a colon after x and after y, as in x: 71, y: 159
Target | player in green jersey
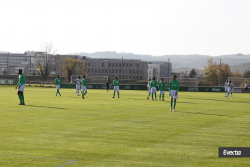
x: 21, y: 85
x: 84, y: 86
x: 58, y: 83
x: 116, y: 87
x: 153, y: 85
x: 162, y: 88
x: 173, y: 91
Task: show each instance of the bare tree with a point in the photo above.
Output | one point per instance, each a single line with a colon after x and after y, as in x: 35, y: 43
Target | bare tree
x: 46, y: 60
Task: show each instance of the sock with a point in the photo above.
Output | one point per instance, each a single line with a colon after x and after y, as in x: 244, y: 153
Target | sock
x: 22, y: 99
x: 231, y: 95
x: 155, y: 96
x: 59, y: 93
x: 171, y: 103
x: 19, y: 96
x: 162, y: 97
x: 118, y: 94
x: 114, y: 94
x: 149, y: 95
x: 152, y: 96
x: 76, y: 92
x: 56, y: 93
x: 85, y: 93
x: 82, y: 94
x: 174, y: 103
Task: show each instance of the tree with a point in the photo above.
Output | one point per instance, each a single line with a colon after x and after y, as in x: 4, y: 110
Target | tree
x: 246, y: 74
x: 211, y: 74
x: 73, y: 67
x: 46, y: 60
x: 192, y: 73
x: 215, y: 74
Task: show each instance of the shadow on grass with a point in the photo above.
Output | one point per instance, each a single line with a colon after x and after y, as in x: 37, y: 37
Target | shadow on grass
x: 226, y: 100
x: 208, y: 114
x: 45, y: 107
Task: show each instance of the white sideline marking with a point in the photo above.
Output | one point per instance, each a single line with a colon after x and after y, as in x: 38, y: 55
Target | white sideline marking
x: 65, y: 164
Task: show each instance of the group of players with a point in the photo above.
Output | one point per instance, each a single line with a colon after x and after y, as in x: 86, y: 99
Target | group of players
x: 82, y: 85
x: 152, y: 88
x: 173, y: 90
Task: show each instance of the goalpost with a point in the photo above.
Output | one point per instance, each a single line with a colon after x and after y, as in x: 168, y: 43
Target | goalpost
x: 238, y: 84
x: 91, y: 79
x: 183, y: 81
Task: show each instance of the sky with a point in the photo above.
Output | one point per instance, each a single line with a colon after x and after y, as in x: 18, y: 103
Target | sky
x: 154, y: 27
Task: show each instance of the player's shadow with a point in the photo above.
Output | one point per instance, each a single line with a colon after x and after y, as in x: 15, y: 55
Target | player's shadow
x: 45, y: 107
x: 199, y: 113
x: 187, y: 102
x: 226, y: 100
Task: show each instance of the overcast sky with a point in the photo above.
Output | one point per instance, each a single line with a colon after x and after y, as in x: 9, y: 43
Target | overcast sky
x: 155, y: 27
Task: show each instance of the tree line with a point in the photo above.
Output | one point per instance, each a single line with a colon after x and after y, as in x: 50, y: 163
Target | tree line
x: 216, y: 74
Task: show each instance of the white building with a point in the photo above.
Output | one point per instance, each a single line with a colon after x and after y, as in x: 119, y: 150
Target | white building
x: 159, y: 70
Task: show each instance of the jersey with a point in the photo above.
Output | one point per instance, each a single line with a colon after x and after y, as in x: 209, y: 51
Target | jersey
x: 174, y: 85
x: 226, y: 85
x: 21, y: 80
x: 246, y: 85
x: 148, y: 84
x: 78, y: 82
x: 83, y: 82
x: 116, y: 82
x: 153, y: 83
x: 162, y: 86
x: 58, y: 81
x: 230, y: 85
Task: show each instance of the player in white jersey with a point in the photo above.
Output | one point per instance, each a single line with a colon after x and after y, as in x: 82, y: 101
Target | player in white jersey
x: 148, y: 86
x: 226, y: 88
x: 230, y: 89
x: 78, y: 85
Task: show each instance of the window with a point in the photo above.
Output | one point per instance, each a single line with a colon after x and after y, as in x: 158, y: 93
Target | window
x: 120, y: 71
x: 105, y: 70
x: 120, y: 64
x: 102, y: 64
x: 113, y: 64
x: 116, y: 70
x: 109, y: 65
x: 112, y: 70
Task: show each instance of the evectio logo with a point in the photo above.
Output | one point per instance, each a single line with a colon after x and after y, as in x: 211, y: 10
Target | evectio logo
x: 235, y: 152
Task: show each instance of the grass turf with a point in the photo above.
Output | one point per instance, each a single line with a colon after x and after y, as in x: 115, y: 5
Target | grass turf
x: 130, y: 131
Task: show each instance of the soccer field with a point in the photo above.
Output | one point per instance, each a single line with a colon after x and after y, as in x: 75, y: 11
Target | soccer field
x: 100, y: 131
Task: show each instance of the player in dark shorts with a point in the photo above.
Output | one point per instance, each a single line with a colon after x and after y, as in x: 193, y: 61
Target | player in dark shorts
x: 107, y: 85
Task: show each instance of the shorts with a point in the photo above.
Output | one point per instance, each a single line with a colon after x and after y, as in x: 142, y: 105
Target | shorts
x: 77, y: 87
x: 58, y: 87
x: 84, y: 88
x: 162, y: 92
x: 230, y: 90
x: 116, y: 88
x: 226, y: 89
x: 172, y: 94
x: 153, y: 90
x: 21, y: 89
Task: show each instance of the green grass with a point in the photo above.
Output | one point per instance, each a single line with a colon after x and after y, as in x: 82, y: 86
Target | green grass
x: 130, y: 131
